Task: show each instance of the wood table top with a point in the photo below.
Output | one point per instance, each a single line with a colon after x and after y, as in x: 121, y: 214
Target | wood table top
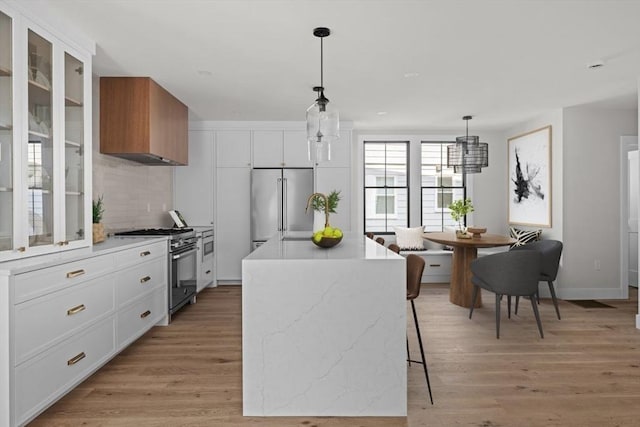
x: 485, y: 241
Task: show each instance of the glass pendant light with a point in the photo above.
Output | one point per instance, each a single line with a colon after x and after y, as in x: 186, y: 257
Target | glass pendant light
x: 468, y: 154
x: 323, y: 121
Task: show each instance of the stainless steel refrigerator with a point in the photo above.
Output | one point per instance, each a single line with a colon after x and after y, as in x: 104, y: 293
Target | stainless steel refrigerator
x: 278, y: 202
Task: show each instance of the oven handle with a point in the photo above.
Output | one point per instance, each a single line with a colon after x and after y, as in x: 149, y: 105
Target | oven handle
x: 181, y: 254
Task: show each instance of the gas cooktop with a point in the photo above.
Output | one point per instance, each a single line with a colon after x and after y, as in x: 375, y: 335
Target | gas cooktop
x: 155, y: 232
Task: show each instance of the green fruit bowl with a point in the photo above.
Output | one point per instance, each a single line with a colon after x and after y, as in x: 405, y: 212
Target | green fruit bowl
x: 327, y: 242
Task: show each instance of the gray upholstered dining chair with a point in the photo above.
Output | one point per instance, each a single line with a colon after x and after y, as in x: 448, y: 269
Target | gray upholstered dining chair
x: 551, y: 250
x: 508, y: 273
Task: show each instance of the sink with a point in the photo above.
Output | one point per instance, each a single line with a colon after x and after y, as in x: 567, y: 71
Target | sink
x: 295, y: 238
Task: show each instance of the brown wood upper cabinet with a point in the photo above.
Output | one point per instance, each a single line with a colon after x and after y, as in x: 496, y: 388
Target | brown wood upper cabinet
x: 141, y: 121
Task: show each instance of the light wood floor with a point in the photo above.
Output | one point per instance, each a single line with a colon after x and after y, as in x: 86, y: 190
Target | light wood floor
x: 586, y: 372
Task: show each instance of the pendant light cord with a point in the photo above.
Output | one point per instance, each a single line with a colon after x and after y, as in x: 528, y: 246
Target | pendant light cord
x: 321, y: 63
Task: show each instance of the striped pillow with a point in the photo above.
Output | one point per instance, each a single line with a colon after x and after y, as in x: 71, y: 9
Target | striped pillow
x: 524, y: 236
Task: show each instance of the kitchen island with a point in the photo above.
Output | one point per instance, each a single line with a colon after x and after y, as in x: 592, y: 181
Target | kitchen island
x: 324, y: 330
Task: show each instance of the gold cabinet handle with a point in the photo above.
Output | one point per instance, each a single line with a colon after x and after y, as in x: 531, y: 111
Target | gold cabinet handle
x: 145, y: 314
x: 72, y: 274
x: 76, y: 359
x: 21, y: 249
x: 145, y: 253
x: 145, y: 279
x: 434, y: 265
x: 75, y: 310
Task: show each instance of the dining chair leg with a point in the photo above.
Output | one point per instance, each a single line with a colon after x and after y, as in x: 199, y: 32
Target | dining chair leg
x: 408, y: 353
x: 517, y: 301
x: 535, y: 311
x: 498, y: 297
x: 474, y: 297
x: 509, y: 306
x: 553, y: 297
x: 424, y: 361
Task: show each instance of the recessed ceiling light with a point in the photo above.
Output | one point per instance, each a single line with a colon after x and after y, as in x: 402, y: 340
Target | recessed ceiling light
x: 596, y: 64
x: 410, y: 75
x: 205, y: 73
x: 382, y: 113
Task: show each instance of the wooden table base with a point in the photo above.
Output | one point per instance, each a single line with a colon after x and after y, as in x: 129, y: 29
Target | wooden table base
x: 461, y: 289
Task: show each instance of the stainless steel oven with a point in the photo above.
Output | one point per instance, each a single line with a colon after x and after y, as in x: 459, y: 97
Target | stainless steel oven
x: 183, y: 273
x: 207, y: 243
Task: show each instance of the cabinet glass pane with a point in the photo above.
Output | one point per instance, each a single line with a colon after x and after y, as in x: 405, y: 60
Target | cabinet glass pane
x: 6, y: 135
x: 74, y: 148
x: 40, y: 146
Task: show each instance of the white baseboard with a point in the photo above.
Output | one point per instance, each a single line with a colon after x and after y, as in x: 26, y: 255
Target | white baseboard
x: 638, y: 321
x: 582, y: 293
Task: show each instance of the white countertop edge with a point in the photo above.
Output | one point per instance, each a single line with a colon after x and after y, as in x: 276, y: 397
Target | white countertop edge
x: 112, y: 244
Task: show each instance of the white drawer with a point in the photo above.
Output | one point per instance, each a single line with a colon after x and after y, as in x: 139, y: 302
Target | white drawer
x: 138, y: 318
x: 138, y: 280
x: 42, y: 380
x: 437, y: 265
x: 207, y: 274
x: 35, y: 283
x: 42, y: 321
x: 140, y: 254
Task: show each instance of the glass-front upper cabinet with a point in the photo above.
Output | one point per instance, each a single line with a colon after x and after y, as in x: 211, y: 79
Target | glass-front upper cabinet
x: 45, y: 138
x: 74, y: 148
x: 40, y: 164
x: 6, y: 133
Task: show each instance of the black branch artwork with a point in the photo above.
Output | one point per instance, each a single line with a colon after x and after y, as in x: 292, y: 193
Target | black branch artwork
x: 526, y: 185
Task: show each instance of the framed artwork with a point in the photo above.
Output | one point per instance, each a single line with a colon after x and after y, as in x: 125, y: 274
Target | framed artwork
x: 529, y: 183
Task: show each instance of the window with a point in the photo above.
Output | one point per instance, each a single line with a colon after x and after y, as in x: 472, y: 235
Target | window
x: 385, y: 203
x: 440, y: 186
x: 386, y: 185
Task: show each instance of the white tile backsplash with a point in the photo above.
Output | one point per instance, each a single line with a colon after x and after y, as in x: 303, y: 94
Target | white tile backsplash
x: 134, y: 194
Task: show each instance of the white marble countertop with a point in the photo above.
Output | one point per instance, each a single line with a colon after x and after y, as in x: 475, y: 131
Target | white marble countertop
x: 112, y: 244
x: 354, y: 246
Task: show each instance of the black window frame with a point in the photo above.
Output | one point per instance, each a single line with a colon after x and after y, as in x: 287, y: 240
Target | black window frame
x: 443, y: 162
x: 366, y: 187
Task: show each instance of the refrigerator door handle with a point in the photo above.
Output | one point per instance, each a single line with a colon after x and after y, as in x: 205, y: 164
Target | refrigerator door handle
x: 279, y: 192
x: 284, y: 205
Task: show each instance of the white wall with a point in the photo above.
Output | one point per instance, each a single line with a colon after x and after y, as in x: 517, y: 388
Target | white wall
x: 129, y: 188
x: 591, y: 203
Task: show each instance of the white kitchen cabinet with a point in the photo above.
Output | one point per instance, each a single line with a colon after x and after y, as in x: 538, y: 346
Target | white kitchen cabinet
x: 45, y: 140
x: 295, y: 149
x: 62, y: 316
x: 233, y: 148
x: 339, y: 179
x: 233, y: 219
x: 340, y: 152
x: 275, y: 149
x: 267, y: 149
x: 194, y: 184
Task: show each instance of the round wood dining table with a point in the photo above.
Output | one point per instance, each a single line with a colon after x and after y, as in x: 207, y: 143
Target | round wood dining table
x: 465, y: 251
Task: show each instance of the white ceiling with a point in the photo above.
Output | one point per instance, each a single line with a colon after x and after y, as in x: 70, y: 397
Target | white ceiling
x: 501, y: 61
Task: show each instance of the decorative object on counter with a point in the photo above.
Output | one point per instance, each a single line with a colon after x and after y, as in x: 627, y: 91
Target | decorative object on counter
x: 323, y: 121
x: 468, y: 154
x: 477, y: 231
x: 459, y: 209
x: 98, y: 227
x: 328, y: 236
x: 318, y: 205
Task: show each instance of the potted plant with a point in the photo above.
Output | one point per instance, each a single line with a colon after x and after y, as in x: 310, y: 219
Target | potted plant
x: 319, y: 203
x: 98, y: 227
x: 459, y: 209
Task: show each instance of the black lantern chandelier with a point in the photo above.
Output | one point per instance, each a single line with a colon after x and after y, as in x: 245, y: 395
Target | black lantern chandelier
x: 468, y: 154
x: 323, y: 122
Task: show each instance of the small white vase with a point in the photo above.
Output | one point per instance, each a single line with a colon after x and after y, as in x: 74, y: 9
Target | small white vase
x: 318, y: 221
